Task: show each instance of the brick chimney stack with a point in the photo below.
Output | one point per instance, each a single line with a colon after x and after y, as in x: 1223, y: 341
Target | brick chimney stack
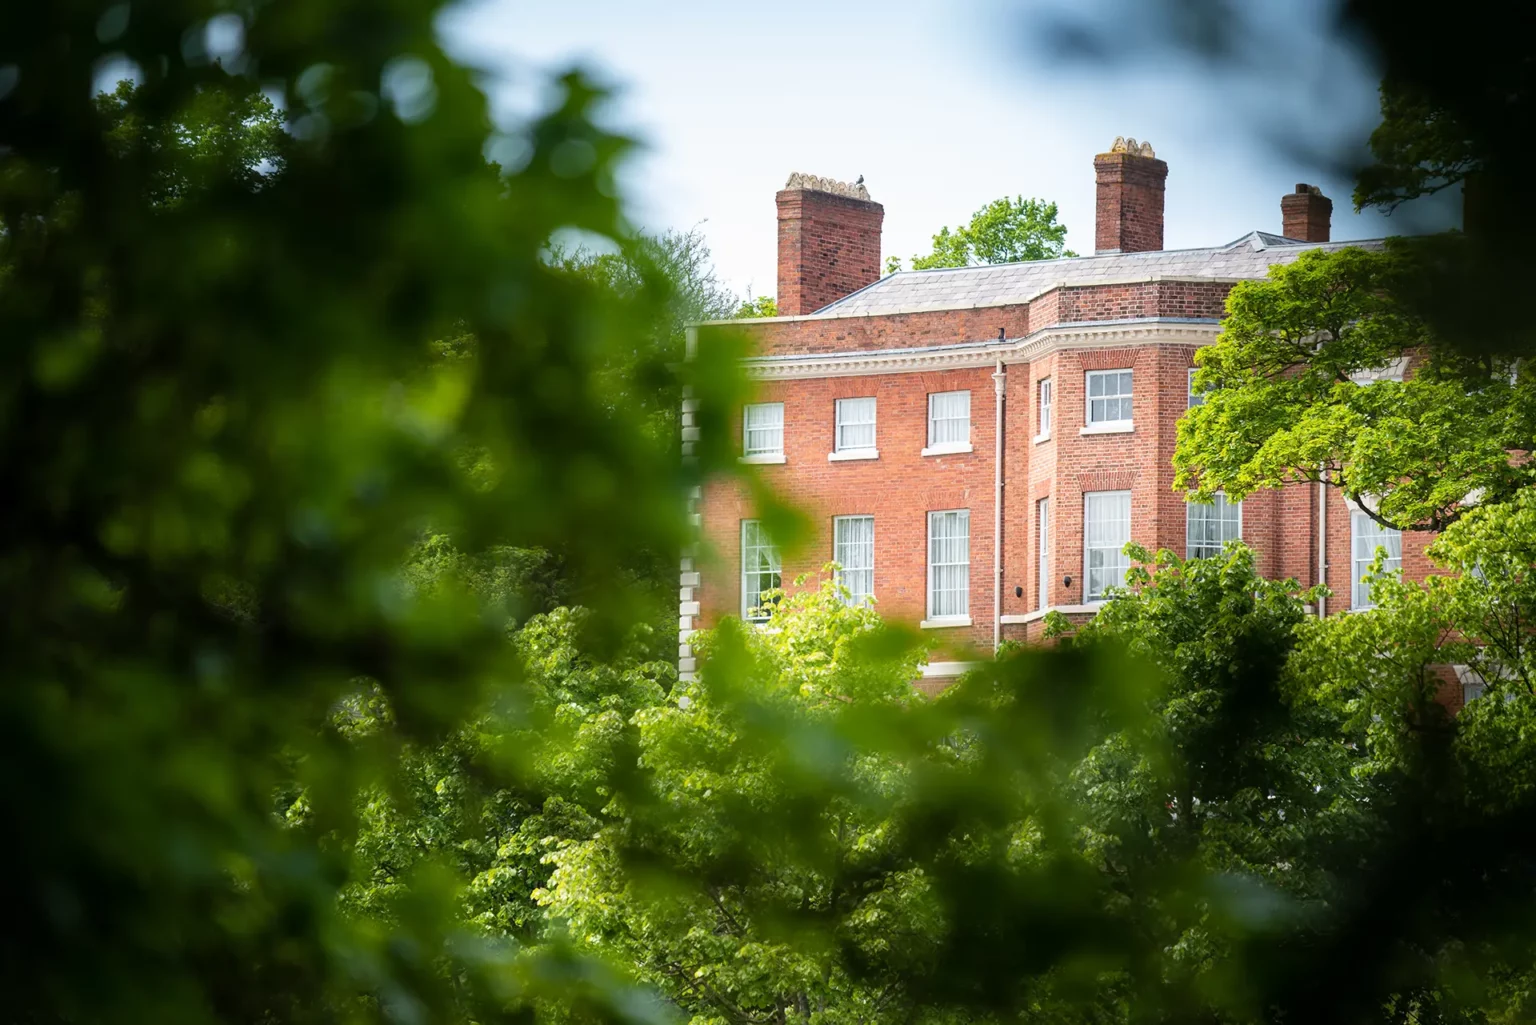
x: 1130, y: 198
x: 829, y: 242
x: 1306, y: 214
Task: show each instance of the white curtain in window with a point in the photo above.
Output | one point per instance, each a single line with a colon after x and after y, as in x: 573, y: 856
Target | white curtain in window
x: 855, y: 424
x: 1209, y: 525
x: 761, y: 570
x: 1107, y: 530
x: 1109, y: 396
x: 853, y: 548
x: 949, y: 418
x: 763, y: 429
x: 1368, y: 535
x: 949, y: 563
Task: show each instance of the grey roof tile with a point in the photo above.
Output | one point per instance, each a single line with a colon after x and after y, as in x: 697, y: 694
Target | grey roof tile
x: 915, y: 291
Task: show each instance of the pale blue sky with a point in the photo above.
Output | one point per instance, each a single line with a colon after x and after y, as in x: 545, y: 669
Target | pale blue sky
x: 941, y: 106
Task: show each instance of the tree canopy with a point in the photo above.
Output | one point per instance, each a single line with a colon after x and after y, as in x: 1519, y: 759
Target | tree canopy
x: 762, y: 306
x: 1004, y: 231
x: 1320, y: 373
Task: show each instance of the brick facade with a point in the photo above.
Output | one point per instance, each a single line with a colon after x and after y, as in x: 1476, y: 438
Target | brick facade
x: 1150, y: 325
x: 898, y: 489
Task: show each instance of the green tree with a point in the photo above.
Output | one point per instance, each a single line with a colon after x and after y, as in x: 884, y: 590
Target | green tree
x: 679, y: 261
x: 781, y: 902
x: 1321, y: 374
x: 678, y: 267
x: 568, y: 738
x: 1240, y: 756
x: 1004, y: 231
x: 1459, y: 935
x: 1418, y: 149
x: 762, y: 306
x: 1232, y: 781
x: 231, y: 137
x: 225, y: 434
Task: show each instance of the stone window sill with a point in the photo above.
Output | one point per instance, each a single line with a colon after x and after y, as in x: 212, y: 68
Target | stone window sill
x: 944, y: 621
x: 1066, y: 610
x: 764, y: 459
x: 945, y: 670
x: 1113, y: 427
x: 948, y: 449
x: 850, y: 454
x: 1041, y: 439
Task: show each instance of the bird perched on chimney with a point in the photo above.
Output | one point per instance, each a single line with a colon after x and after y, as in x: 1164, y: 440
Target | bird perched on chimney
x: 860, y: 181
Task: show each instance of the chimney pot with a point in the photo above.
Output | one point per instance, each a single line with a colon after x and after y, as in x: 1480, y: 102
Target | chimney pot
x: 829, y: 242
x: 1129, y: 205
x: 1306, y: 214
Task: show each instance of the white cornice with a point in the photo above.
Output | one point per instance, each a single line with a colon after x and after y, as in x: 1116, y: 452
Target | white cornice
x: 860, y: 363
x: 1099, y: 335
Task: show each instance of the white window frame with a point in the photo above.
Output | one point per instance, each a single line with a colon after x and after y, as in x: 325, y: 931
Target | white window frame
x: 775, y: 567
x: 1196, y: 398
x: 851, y: 575
x: 1107, y: 425
x: 1219, y: 506
x: 949, y: 618
x: 762, y: 453
x: 1120, y: 559
x: 951, y: 445
x: 1045, y: 399
x: 1359, y: 588
x: 843, y: 411
x: 1043, y: 553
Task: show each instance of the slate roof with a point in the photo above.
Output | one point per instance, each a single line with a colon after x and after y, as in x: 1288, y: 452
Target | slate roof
x: 963, y: 287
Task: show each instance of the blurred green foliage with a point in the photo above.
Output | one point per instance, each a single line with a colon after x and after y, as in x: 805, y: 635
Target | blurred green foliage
x: 312, y: 433
x: 271, y: 319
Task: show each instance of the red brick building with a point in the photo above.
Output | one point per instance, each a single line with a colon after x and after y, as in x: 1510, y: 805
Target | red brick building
x: 977, y: 444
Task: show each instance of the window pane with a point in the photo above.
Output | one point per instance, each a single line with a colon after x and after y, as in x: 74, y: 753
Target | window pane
x: 855, y: 424
x: 760, y: 570
x: 1211, y: 525
x: 1195, y: 397
x: 853, y: 547
x: 763, y: 429
x: 1107, y: 530
x: 949, y: 563
x: 1109, y: 396
x: 1368, y: 535
x: 949, y: 418
x: 1045, y: 406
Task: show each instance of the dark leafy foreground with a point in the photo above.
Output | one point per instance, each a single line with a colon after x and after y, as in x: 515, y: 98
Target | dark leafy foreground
x: 234, y: 393
x: 270, y: 756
